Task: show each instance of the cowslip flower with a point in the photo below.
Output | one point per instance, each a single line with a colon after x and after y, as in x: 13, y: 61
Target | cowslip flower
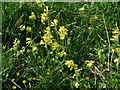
x: 28, y: 40
x: 34, y: 49
x: 24, y: 81
x: 115, y: 38
x: 44, y: 17
x: 77, y: 84
x: 62, y: 32
x: 55, y: 21
x: 90, y: 63
x: 115, y: 60
x: 28, y: 29
x: 13, y: 87
x: 70, y: 64
x: 32, y: 17
x: 22, y: 27
x: 116, y: 31
x: 54, y: 45
x: 47, y: 29
x: 47, y: 38
x: 87, y: 78
x: 42, y: 42
x: 62, y: 53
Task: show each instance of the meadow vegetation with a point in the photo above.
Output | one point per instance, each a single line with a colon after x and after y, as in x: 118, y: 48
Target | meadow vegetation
x: 60, y: 45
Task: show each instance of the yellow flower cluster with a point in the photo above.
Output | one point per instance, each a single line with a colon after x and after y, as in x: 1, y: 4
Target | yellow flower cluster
x: 54, y: 45
x: 55, y: 22
x: 28, y: 40
x: 34, y: 48
x: 32, y: 17
x: 16, y: 43
x: 90, y: 63
x: 77, y: 84
x: 47, y: 39
x: 99, y: 52
x: 28, y: 29
x: 13, y: 87
x: 62, y: 53
x: 22, y: 28
x: 62, y: 32
x: 70, y: 64
x: 44, y: 16
x: 115, y: 36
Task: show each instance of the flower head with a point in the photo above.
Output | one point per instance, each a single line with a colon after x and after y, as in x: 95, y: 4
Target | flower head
x: 22, y: 27
x: 32, y: 17
x: 44, y: 17
x: 24, y: 81
x: 34, y: 49
x: 70, y: 64
x: 28, y: 29
x: 55, y: 21
x: 90, y: 63
x: 54, y: 45
x: 77, y: 84
x: 62, y: 32
x: 13, y: 87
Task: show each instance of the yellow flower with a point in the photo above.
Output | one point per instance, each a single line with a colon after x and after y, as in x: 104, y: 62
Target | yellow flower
x: 60, y: 70
x: 112, y: 50
x: 22, y: 27
x: 74, y: 66
x: 87, y: 78
x: 62, y: 32
x: 28, y: 29
x: 90, y: 63
x: 117, y: 49
x: 28, y: 40
x: 13, y: 80
x: 89, y: 28
x: 48, y: 71
x: 47, y: 38
x: 53, y: 59
x: 62, y: 53
x: 70, y: 64
x: 42, y: 42
x: 115, y: 38
x: 13, y: 87
x: 44, y: 17
x: 62, y: 36
x: 46, y: 9
x: 99, y: 52
x: 115, y: 60
x: 54, y: 45
x: 55, y: 21
x: 24, y: 81
x: 77, y: 84
x: 34, y: 49
x: 18, y: 74
x: 32, y: 17
x: 116, y: 31
x: 47, y: 30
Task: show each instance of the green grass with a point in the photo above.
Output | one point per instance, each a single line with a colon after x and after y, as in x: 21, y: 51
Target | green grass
x: 89, y: 32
